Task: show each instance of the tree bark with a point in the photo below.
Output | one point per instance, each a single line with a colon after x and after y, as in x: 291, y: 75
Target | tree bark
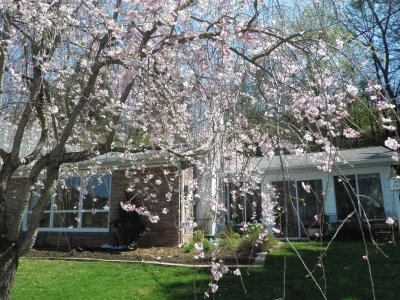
x: 8, y: 267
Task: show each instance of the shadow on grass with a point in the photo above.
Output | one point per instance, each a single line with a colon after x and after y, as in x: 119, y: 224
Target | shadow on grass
x: 344, y: 275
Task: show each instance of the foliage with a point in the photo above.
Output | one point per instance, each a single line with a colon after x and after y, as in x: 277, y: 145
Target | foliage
x: 198, y: 236
x: 253, y: 240
x: 207, y: 245
x: 251, y: 244
x: 189, y: 247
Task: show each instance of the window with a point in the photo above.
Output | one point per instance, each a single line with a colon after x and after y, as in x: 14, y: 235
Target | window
x: 366, y: 193
x: 345, y: 196
x: 286, y: 207
x: 80, y: 204
x: 293, y: 202
x: 243, y: 204
x: 310, y: 204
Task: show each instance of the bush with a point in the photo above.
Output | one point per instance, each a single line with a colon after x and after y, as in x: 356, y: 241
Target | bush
x: 207, y: 246
x: 230, y: 243
x: 251, y: 244
x: 248, y: 243
x: 254, y: 229
x: 189, y: 248
x: 236, y: 236
x: 198, y: 236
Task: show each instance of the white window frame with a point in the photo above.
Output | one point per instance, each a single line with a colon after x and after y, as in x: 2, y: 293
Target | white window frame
x: 78, y: 211
x: 357, y: 193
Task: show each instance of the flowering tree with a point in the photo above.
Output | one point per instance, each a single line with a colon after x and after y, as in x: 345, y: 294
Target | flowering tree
x: 194, y: 79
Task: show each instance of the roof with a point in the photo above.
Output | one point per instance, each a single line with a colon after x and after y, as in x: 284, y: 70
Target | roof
x: 123, y: 160
x: 359, y: 156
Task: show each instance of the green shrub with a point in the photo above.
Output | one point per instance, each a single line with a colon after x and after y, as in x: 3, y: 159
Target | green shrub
x: 228, y: 232
x: 191, y: 247
x: 236, y: 236
x: 229, y: 243
x: 188, y: 248
x: 269, y: 243
x: 250, y: 244
x: 198, y: 236
x: 254, y: 229
x: 207, y: 246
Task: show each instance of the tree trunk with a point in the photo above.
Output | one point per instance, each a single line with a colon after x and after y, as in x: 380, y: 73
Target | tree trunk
x: 8, y: 267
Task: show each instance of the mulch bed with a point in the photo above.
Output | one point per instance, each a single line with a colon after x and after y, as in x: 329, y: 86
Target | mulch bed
x: 160, y: 254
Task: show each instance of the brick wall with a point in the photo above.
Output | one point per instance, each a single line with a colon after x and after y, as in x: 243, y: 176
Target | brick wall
x: 70, y: 240
x: 163, y: 233
x: 166, y: 231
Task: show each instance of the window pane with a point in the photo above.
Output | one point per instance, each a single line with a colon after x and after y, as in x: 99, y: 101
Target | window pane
x: 310, y: 204
x: 285, y: 196
x: 68, y: 194
x: 97, y: 192
x: 244, y: 203
x: 65, y: 220
x: 236, y: 203
x: 370, y: 193
x: 95, y: 220
x: 254, y: 211
x: 345, y: 190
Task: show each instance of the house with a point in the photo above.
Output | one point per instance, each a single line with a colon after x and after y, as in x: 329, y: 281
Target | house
x: 317, y: 182
x: 311, y: 183
x: 302, y: 187
x: 89, y: 196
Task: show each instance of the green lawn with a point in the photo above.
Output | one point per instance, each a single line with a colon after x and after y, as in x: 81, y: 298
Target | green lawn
x: 345, y: 270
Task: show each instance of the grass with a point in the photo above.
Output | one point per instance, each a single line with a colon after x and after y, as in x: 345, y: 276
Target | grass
x: 346, y: 275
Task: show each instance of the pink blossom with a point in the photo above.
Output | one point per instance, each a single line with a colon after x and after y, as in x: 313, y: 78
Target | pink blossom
x: 127, y: 206
x: 389, y: 221
x: 391, y: 144
x: 154, y: 218
x: 139, y: 210
x: 351, y: 133
x: 277, y: 231
x: 308, y: 137
x: 198, y: 246
x: 352, y: 90
x: 306, y: 187
x: 389, y: 127
x: 381, y: 105
x: 214, y: 287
